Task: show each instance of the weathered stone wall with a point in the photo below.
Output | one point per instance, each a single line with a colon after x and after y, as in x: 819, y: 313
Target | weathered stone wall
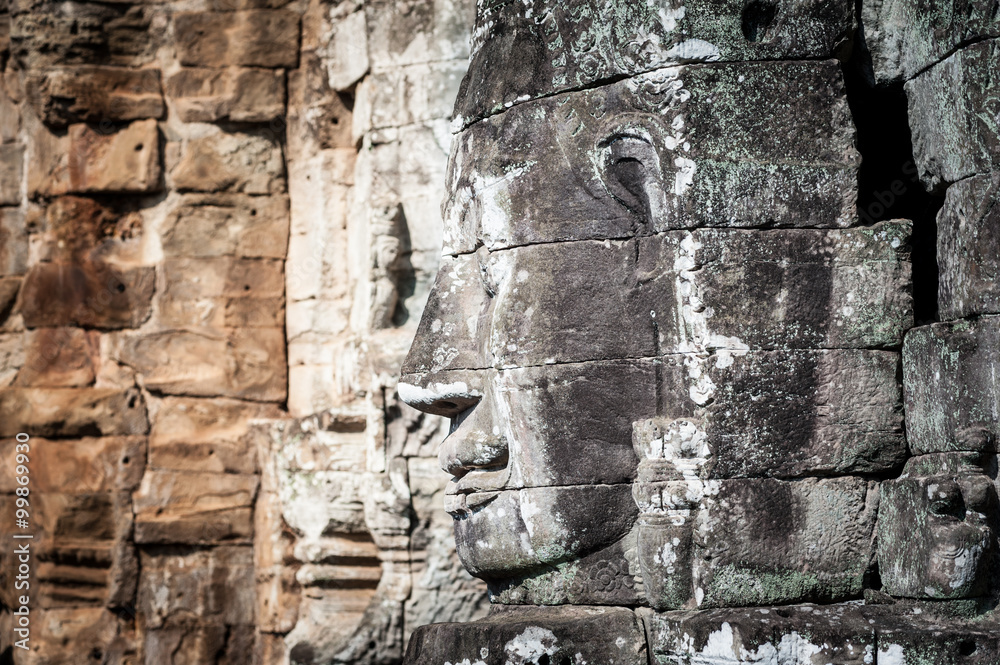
x: 219, y: 220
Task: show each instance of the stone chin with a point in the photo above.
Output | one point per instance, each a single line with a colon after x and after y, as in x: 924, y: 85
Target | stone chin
x: 513, y: 532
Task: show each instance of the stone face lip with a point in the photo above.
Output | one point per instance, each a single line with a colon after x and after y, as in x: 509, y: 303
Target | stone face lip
x: 712, y: 147
x: 937, y: 358
x: 906, y: 37
x: 541, y: 47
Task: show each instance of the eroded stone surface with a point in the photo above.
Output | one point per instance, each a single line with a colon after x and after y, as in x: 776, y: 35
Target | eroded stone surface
x: 936, y: 358
x: 938, y: 527
x: 542, y: 48
x: 712, y: 148
x: 953, y: 111
x: 968, y: 228
x: 906, y: 37
x: 530, y: 634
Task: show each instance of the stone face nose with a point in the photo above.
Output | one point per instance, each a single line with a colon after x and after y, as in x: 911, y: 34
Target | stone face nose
x: 474, y: 444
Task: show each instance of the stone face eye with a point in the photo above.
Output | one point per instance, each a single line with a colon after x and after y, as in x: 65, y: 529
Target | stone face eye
x: 947, y: 502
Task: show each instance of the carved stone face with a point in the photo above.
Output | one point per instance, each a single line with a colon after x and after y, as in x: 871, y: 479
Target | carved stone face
x: 938, y: 527
x: 600, y: 275
x: 578, y: 296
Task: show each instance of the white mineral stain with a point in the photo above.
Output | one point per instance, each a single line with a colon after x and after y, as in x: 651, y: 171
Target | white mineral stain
x: 725, y: 646
x: 530, y: 646
x: 528, y: 511
x: 695, y: 49
x: 891, y: 655
x: 435, y: 391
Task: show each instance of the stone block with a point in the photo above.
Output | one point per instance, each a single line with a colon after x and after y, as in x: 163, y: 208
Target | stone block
x: 762, y: 542
x: 950, y: 386
x: 952, y: 644
x: 83, y: 556
x: 88, y: 160
x: 712, y: 146
x: 13, y: 251
x: 190, y: 434
x: 11, y: 357
x: 242, y: 363
x: 315, y: 503
x: 399, y: 36
x: 191, y: 641
x: 345, y: 50
x: 318, y: 116
x: 214, y: 586
x: 93, y: 93
x: 521, y: 635
x: 414, y: 94
x: 89, y: 293
x: 577, y: 48
x: 90, y: 630
x: 196, y: 508
x: 249, y: 38
x: 676, y: 293
x: 53, y: 35
x: 88, y: 465
x: 11, y: 173
x: 10, y: 116
x: 905, y: 37
x: 278, y: 596
x: 837, y: 634
x: 72, y: 412
x: 206, y: 225
x: 951, y: 106
x: 968, y: 229
x: 219, y: 161
x: 208, y: 291
x: 60, y: 357
x: 937, y: 528
x: 237, y: 94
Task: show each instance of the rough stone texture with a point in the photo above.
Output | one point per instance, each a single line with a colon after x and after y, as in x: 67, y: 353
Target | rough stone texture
x: 935, y: 359
x: 953, y: 116
x: 968, y: 228
x: 938, y: 527
x: 239, y: 95
x: 713, y: 148
x: 906, y: 37
x: 89, y: 160
x: 542, y: 48
x: 837, y: 634
x: 221, y: 470
x: 97, y: 94
x: 652, y: 290
x: 535, y: 634
x: 251, y: 38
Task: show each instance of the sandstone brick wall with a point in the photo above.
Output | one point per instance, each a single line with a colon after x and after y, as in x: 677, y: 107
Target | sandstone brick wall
x: 218, y: 223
